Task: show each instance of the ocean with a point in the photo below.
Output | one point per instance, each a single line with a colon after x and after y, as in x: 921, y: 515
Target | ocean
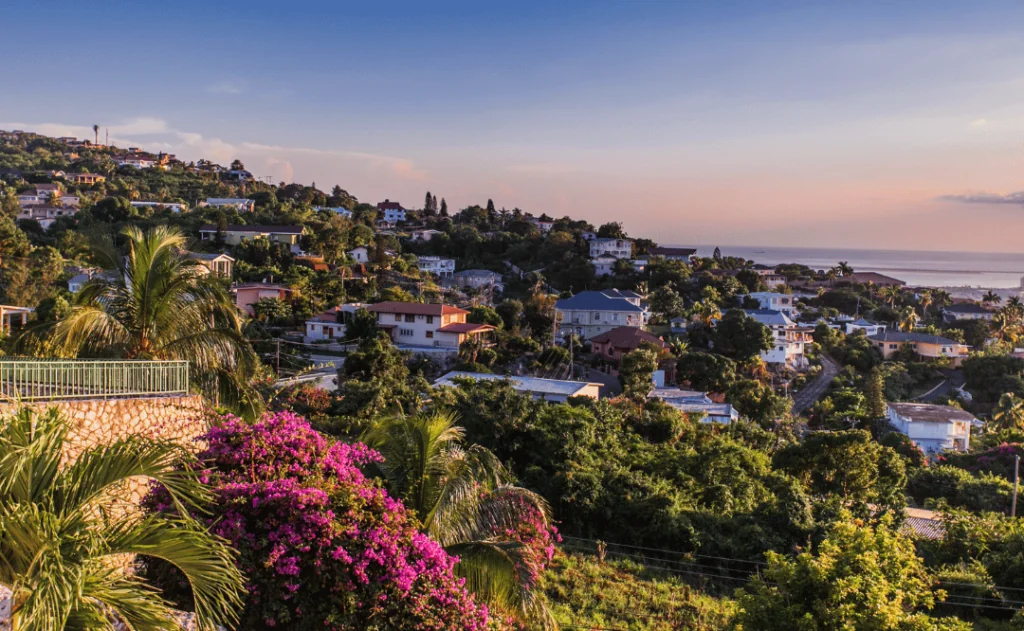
x: 930, y: 269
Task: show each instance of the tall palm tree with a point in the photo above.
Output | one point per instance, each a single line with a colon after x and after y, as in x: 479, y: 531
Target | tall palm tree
x: 991, y: 298
x: 890, y: 294
x: 462, y: 496
x: 61, y: 547
x: 96, y: 133
x: 908, y: 319
x: 162, y: 305
x: 925, y: 300
x: 844, y: 268
x: 1009, y: 412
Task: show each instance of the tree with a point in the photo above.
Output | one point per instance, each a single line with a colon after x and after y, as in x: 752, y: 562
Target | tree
x: 162, y: 305
x: 757, y: 401
x: 667, y: 302
x: 444, y: 208
x: 362, y: 326
x: 62, y: 547
x: 858, y: 579
x: 991, y: 298
x: 1009, y: 412
x: 482, y: 314
x: 96, y: 133
x: 706, y: 371
x: 464, y: 499
x: 844, y: 268
x: 428, y: 206
x: 611, y: 230
x: 717, y: 255
x: 890, y: 294
x: 636, y: 373
x: 236, y: 165
x: 908, y: 319
x: 271, y: 310
x: 875, y: 393
x: 492, y: 213
x: 741, y: 337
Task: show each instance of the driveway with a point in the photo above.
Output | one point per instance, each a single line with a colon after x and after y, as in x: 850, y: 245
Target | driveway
x: 814, y: 390
x: 953, y: 380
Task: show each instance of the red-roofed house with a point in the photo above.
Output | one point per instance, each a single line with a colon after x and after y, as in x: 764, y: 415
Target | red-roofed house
x: 613, y: 344
x: 418, y: 324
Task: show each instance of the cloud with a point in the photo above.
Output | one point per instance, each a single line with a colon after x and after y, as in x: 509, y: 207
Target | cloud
x: 985, y: 198
x: 226, y: 87
x: 981, y: 122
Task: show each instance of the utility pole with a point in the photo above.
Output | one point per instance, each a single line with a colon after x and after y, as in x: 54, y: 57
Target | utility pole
x: 277, y: 359
x: 572, y: 366
x: 1016, y: 483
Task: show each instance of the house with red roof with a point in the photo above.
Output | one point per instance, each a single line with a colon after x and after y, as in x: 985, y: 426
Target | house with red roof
x: 419, y: 324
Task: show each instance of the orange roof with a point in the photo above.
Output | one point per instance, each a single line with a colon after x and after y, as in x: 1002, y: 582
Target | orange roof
x: 465, y: 327
x: 627, y: 337
x: 415, y: 308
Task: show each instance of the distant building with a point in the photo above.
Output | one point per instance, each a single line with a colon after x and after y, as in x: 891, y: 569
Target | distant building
x: 9, y: 314
x: 967, y: 311
x: 360, y: 255
x: 86, y: 179
x: 325, y: 326
x: 789, y: 339
x: 418, y: 324
x: 137, y: 160
x: 872, y: 278
x: 696, y: 403
x: 613, y: 344
x: 553, y: 390
x: 234, y: 235
x: 238, y: 203
x: 248, y: 294
x: 172, y: 206
x: 673, y: 254
x: 785, y: 303
x: 425, y: 234
x: 618, y: 248
x: 478, y: 279
x: 391, y: 212
x: 220, y: 265
x: 338, y: 210
x: 923, y: 344
x: 933, y: 428
x: 45, y: 214
x: 869, y: 328
x: 437, y: 265
x: 590, y: 313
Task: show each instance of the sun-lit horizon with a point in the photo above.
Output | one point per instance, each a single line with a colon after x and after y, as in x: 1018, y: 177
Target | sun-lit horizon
x: 865, y: 127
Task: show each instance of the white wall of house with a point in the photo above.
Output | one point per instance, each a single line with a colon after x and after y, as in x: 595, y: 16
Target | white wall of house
x: 933, y: 437
x: 619, y: 248
x: 420, y: 330
x: 394, y: 215
x: 317, y: 331
x: 588, y: 324
x: 437, y: 265
x: 360, y: 255
x: 785, y: 303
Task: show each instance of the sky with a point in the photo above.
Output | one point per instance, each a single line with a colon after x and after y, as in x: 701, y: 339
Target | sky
x: 869, y: 124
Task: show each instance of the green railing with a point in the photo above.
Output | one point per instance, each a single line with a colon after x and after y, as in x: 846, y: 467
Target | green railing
x: 56, y: 379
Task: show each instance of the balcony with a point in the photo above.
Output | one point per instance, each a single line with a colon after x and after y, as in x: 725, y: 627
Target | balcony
x: 62, y: 380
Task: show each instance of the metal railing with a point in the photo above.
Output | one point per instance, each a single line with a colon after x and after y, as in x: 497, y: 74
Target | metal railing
x: 57, y: 379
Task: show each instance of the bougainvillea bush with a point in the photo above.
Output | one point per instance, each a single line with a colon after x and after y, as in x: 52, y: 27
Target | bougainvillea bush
x: 322, y: 546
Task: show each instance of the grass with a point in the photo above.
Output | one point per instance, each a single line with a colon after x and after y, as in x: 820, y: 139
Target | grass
x: 585, y: 593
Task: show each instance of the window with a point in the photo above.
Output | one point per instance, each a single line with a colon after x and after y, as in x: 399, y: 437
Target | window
x: 430, y: 334
x: 892, y: 347
x: 330, y: 331
x: 410, y: 318
x: 398, y: 317
x: 430, y: 319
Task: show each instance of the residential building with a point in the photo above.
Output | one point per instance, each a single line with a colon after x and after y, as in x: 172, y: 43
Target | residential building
x: 628, y: 295
x: 785, y: 303
x: 418, y: 324
x: 590, y: 236
x: 604, y: 265
x: 923, y: 344
x: 618, y: 248
x: 933, y: 428
x: 45, y: 194
x: 172, y: 206
x: 870, y: 328
x: 87, y: 179
x: 425, y: 234
x: 672, y: 254
x: 478, y: 279
x: 967, y: 311
x: 248, y: 294
x: 325, y: 326
x: 437, y: 265
x: 590, y: 313
x: 220, y: 265
x: 76, y: 282
x: 360, y: 255
x: 234, y: 235
x: 696, y: 403
x: 137, y: 160
x: 678, y: 325
x: 45, y: 214
x: 338, y: 210
x: 789, y: 339
x: 773, y: 281
x: 238, y: 203
x: 11, y: 314
x: 613, y: 344
x: 553, y: 390
x: 390, y: 211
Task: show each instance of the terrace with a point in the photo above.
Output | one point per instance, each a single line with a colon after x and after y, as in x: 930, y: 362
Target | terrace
x: 64, y: 380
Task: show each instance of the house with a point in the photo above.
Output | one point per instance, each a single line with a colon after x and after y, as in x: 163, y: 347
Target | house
x: 234, y: 235
x: 785, y: 303
x: 626, y: 294
x: 248, y: 294
x: 678, y: 325
x: 554, y: 390
x: 613, y: 344
x: 45, y: 214
x: 391, y: 212
x: 871, y: 278
x: 925, y: 345
x: 45, y: 194
x: 9, y: 314
x: 618, y: 248
x: 325, y: 326
x: 870, y: 328
x: 693, y: 402
x: 418, y: 324
x: 137, y: 160
x: 773, y: 281
x: 789, y: 339
x: 316, y: 263
x: 933, y: 428
x: 437, y: 265
x: 604, y: 265
x: 360, y: 254
x: 238, y: 203
x: 477, y: 279
x: 338, y: 210
x: 76, y: 282
x: 588, y: 236
x: 172, y: 206
x: 220, y: 265
x: 672, y: 254
x: 425, y: 234
x: 967, y: 311
x: 590, y: 313
x: 384, y: 224
x: 87, y: 179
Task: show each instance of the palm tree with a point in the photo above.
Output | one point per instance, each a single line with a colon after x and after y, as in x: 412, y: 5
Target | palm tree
x: 1009, y: 412
x: 991, y: 298
x: 462, y: 497
x: 925, y: 300
x: 62, y: 548
x: 706, y: 311
x: 162, y: 305
x: 890, y: 294
x: 908, y: 319
x: 96, y: 133
x: 844, y: 268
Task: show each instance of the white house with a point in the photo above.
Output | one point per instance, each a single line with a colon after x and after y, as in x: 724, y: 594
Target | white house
x: 219, y: 264
x: 418, y: 324
x: 437, y: 265
x: 870, y: 328
x: 325, y: 326
x: 604, y: 265
x: 553, y: 390
x: 618, y: 248
x: 967, y: 311
x: 338, y: 210
x: 384, y: 224
x: 425, y: 234
x: 478, y: 279
x: 933, y: 428
x: 694, y: 402
x: 139, y: 161
x: 789, y: 340
x: 786, y: 303
x: 243, y: 205
x: 360, y: 254
x: 390, y: 211
x: 590, y: 313
x: 172, y: 206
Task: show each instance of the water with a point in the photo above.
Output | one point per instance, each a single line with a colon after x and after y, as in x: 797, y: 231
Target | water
x: 930, y: 269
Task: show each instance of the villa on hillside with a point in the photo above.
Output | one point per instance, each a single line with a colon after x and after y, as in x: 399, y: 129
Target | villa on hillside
x: 238, y: 203
x: 786, y: 303
x: 248, y: 294
x: 696, y: 403
x: 87, y: 179
x: 219, y: 264
x: 390, y: 211
x: 590, y: 313
x: 933, y: 428
x: 618, y: 248
x: 672, y: 254
x: 923, y: 344
x: 966, y: 311
x: 553, y: 390
x: 234, y: 235
x: 172, y: 206
x: 478, y: 279
x: 789, y: 339
x: 438, y: 265
x: 870, y: 328
x: 418, y: 324
x: 613, y: 344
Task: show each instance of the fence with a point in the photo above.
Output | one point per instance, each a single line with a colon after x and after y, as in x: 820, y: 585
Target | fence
x: 54, y: 379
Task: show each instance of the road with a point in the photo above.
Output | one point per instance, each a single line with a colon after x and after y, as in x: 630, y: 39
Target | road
x: 813, y: 391
x: 953, y: 380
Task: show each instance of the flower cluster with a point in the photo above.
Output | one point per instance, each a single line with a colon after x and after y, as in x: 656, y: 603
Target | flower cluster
x: 305, y: 398
x: 532, y: 529
x: 997, y: 460
x: 322, y: 546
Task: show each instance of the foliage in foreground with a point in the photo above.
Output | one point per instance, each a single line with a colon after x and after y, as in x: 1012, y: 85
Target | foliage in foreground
x: 62, y: 546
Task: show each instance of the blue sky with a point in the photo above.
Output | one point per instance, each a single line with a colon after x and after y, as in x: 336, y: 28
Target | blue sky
x: 710, y: 122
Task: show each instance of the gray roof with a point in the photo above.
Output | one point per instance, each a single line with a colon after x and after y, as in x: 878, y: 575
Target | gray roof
x: 534, y: 385
x: 477, y: 272
x: 678, y: 395
x: 931, y: 413
x: 903, y: 336
x: 207, y: 256
x: 769, y: 317
x: 596, y: 301
x: 967, y: 307
x: 863, y: 322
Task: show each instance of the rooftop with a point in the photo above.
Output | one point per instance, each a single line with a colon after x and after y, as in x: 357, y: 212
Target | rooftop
x: 659, y: 251
x: 254, y: 229
x: 931, y: 413
x: 871, y: 277
x: 628, y: 337
x: 904, y: 336
x: 465, y: 327
x: 415, y: 308
x: 597, y: 301
x: 967, y: 307
x: 769, y: 317
x: 533, y: 385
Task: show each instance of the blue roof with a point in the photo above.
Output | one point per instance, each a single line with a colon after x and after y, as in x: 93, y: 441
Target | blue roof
x: 769, y: 316
x: 597, y: 301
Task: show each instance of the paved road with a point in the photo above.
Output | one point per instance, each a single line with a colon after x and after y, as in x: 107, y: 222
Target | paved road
x: 954, y: 379
x: 813, y: 391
